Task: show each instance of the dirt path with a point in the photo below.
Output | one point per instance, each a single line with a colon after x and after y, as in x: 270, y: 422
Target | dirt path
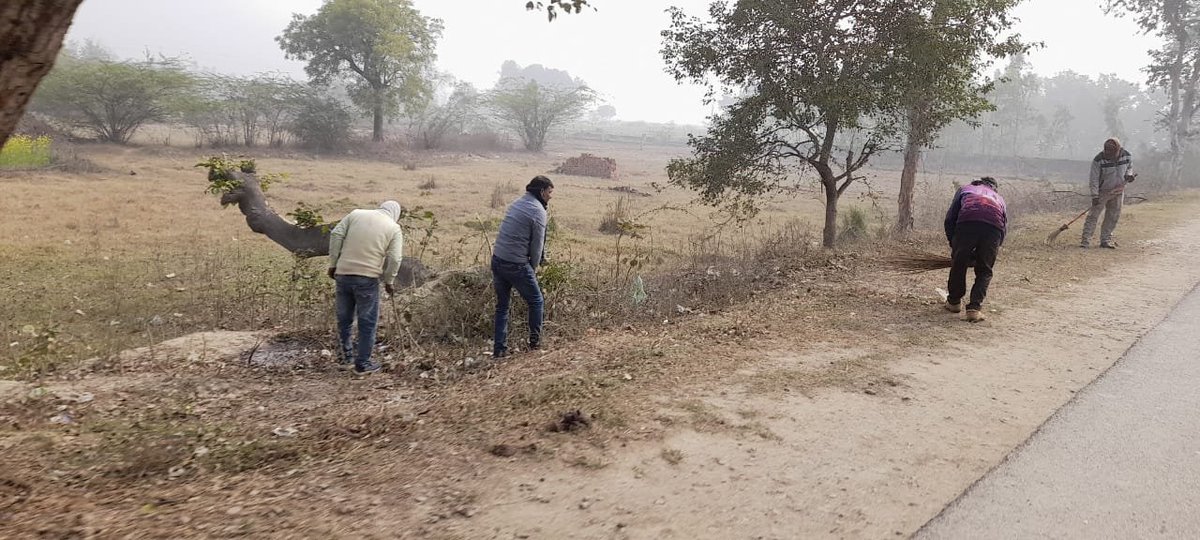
x: 871, y: 464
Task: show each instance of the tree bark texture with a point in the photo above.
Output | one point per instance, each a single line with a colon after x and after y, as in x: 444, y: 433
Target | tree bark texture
x: 908, y: 183
x: 302, y: 242
x: 31, y: 34
x: 829, y: 233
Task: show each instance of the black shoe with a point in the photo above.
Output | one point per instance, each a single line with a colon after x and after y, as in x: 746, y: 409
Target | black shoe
x: 367, y: 370
x: 1110, y: 245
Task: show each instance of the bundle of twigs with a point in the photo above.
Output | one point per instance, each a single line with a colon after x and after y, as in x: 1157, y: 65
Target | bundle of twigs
x: 915, y: 261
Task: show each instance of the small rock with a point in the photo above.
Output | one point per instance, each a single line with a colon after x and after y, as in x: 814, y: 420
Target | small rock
x: 284, y: 432
x: 660, y: 502
x: 81, y: 397
x: 503, y: 450
x: 234, y: 510
x: 870, y: 392
x: 63, y: 418
x: 585, y: 504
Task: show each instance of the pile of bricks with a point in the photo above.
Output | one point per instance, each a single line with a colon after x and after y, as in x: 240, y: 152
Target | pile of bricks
x: 589, y: 165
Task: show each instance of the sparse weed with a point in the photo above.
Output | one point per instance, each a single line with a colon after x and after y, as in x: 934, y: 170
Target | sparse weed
x: 501, y: 195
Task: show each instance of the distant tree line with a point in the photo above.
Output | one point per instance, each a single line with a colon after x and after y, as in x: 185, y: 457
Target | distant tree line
x: 372, y: 58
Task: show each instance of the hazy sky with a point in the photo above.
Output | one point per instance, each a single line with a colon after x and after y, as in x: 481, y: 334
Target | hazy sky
x: 613, y: 49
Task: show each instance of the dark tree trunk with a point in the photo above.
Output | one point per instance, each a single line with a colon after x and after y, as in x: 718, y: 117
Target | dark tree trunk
x: 302, y: 242
x: 908, y: 183
x: 377, y: 129
x: 31, y: 34
x: 379, y: 108
x: 829, y: 233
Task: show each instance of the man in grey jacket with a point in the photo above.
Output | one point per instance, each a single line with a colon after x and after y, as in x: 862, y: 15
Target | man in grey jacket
x: 519, y: 249
x: 1111, y: 170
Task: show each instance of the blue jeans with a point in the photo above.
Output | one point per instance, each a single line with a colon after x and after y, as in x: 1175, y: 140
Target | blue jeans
x: 505, y: 277
x: 357, y: 295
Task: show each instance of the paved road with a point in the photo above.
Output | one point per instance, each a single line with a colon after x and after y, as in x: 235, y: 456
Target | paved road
x: 1121, y: 460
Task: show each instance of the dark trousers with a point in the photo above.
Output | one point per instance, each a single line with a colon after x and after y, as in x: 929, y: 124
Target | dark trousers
x: 978, y: 244
x: 357, y: 297
x: 507, y: 276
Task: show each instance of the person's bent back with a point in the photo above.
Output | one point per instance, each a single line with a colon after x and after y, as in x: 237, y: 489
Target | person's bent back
x: 366, y: 243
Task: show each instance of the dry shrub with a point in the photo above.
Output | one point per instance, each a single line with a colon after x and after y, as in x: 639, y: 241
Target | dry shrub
x: 36, y: 125
x: 66, y: 158
x: 854, y: 225
x: 502, y: 193
x: 1026, y: 198
x: 447, y: 310
x: 614, y: 219
x: 482, y: 142
x: 429, y: 183
x: 450, y: 319
x: 1023, y: 198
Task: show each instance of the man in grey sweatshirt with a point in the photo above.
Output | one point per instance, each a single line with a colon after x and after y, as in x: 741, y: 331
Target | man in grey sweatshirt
x: 519, y: 249
x: 1111, y: 170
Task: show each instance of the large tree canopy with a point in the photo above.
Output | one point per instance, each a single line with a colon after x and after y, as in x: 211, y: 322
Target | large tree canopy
x: 385, y: 47
x: 113, y: 100
x: 817, y: 93
x: 532, y: 110
x: 946, y: 47
x: 1174, y: 68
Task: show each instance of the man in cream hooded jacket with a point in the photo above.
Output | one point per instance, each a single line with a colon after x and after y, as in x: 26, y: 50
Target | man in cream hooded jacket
x: 364, y: 248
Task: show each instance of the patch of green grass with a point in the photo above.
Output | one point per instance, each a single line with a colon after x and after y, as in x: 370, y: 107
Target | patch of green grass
x: 25, y: 152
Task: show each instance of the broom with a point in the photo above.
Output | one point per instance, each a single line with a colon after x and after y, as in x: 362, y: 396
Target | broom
x: 915, y: 262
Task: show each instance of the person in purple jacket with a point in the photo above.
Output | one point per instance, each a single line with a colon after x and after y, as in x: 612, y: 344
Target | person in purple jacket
x: 975, y: 227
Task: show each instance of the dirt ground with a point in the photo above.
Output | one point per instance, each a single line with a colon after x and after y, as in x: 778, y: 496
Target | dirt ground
x: 839, y: 402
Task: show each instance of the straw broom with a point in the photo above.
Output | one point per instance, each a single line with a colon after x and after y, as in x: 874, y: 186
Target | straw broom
x: 914, y: 261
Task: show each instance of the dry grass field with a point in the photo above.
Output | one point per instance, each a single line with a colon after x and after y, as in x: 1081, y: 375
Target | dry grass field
x: 192, y: 438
